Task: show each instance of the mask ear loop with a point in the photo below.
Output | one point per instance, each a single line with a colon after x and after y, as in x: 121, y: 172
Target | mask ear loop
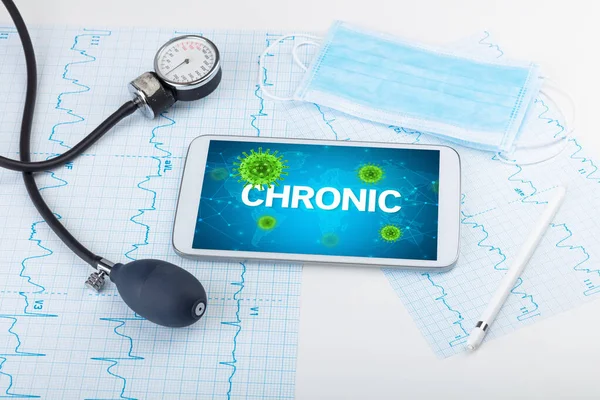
x: 295, y: 53
x: 569, y: 128
x: 261, y: 82
x: 569, y: 123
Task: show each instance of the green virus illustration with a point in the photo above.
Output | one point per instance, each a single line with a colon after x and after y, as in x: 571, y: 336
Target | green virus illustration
x: 370, y: 173
x: 435, y: 186
x: 258, y: 168
x: 219, y: 174
x: 330, y: 240
x: 266, y: 222
x: 390, y: 233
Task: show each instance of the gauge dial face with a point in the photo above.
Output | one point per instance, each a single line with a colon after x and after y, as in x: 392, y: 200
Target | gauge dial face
x: 186, y: 61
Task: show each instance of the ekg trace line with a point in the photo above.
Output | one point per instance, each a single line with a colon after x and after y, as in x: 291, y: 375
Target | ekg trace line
x: 584, y: 160
x: 257, y: 91
x: 237, y: 323
x: 261, y: 110
x: 561, y: 244
x: 467, y: 220
x: 491, y: 45
x: 590, y: 286
x: 463, y: 334
x: 327, y: 121
x: 526, y: 312
x: 167, y: 154
x: 114, y: 361
x: 82, y: 88
x: 549, y: 120
x: 61, y: 182
x: 409, y: 132
x: 8, y: 394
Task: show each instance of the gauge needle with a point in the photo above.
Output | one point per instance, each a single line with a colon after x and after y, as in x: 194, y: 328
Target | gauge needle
x: 186, y: 61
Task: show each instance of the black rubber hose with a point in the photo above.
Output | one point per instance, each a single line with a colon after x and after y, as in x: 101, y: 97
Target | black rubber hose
x: 28, y: 166
x: 25, y: 143
x: 124, y: 111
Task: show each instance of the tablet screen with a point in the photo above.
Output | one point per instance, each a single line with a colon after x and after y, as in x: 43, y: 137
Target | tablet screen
x: 319, y: 199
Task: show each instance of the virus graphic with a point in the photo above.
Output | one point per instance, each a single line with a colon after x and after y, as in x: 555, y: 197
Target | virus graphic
x: 435, y: 186
x: 390, y: 233
x: 266, y: 222
x: 330, y: 240
x: 370, y: 173
x: 219, y: 174
x: 258, y: 169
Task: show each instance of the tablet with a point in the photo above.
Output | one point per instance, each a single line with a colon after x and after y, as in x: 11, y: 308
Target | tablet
x: 315, y: 201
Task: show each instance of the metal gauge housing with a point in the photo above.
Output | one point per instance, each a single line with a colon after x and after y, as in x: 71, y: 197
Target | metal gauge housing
x: 189, y: 65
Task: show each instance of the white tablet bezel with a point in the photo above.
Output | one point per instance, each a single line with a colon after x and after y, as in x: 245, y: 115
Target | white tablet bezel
x: 448, y: 215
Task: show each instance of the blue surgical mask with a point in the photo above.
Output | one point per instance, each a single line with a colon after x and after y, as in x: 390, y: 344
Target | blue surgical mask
x: 475, y: 102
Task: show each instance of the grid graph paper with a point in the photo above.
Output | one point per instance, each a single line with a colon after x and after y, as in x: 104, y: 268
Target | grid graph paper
x: 500, y: 204
x: 58, y: 340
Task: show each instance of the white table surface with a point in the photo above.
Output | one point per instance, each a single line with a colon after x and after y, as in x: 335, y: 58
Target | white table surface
x: 356, y: 339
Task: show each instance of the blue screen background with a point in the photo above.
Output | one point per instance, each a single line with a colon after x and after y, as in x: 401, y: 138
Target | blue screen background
x: 224, y: 222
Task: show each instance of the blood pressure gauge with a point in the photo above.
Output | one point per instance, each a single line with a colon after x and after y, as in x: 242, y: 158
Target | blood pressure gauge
x: 190, y: 65
x: 186, y: 68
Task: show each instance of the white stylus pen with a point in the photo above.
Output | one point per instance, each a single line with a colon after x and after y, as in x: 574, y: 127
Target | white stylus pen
x: 513, y: 273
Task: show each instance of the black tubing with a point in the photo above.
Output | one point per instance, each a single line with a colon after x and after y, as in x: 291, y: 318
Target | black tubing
x: 124, y: 111
x: 25, y: 143
x: 28, y: 166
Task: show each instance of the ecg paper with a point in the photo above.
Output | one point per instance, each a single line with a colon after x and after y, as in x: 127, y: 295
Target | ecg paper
x: 500, y: 204
x: 59, y: 340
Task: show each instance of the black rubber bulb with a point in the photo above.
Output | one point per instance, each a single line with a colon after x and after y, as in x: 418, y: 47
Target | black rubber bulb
x: 160, y: 291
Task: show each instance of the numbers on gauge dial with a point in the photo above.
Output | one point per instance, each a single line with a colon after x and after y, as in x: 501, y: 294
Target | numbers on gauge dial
x: 186, y: 61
